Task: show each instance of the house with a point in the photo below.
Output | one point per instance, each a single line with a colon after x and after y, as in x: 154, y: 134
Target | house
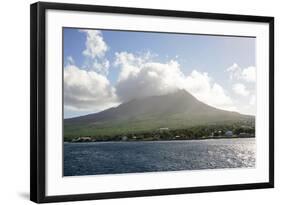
x: 124, y: 138
x: 228, y: 133
x: 82, y: 139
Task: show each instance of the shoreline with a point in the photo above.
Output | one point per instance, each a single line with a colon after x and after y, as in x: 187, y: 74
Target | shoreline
x: 163, y: 140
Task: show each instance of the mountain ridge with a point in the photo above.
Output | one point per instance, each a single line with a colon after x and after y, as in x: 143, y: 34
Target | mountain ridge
x: 174, y: 110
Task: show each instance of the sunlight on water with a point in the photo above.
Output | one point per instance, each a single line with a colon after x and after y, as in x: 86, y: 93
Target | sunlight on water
x: 132, y: 157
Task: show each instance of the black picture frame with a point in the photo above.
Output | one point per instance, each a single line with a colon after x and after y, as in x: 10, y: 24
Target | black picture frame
x: 38, y: 101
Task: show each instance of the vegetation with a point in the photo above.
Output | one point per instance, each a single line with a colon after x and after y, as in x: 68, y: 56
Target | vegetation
x: 180, y: 114
x: 196, y: 132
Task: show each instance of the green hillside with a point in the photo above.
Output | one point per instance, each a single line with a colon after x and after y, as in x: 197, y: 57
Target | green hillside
x: 178, y: 110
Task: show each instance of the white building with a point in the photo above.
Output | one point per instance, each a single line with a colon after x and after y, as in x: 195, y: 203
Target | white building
x: 124, y: 138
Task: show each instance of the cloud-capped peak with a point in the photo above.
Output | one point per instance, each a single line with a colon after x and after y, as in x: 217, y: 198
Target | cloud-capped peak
x: 143, y: 77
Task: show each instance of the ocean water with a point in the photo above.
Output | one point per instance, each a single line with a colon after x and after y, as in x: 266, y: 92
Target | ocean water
x: 134, y: 157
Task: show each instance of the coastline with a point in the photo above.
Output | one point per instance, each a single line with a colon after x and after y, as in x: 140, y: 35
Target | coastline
x: 163, y: 140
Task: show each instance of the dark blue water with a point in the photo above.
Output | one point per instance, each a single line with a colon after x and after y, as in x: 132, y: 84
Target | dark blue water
x: 132, y: 157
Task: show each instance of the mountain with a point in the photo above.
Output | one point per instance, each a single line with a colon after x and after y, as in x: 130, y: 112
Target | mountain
x: 174, y: 110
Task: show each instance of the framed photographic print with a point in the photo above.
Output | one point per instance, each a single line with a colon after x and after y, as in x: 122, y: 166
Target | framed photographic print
x: 129, y: 102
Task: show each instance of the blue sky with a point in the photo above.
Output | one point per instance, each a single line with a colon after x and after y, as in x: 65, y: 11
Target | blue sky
x: 229, y: 63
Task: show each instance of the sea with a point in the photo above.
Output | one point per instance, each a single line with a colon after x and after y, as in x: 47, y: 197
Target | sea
x: 99, y: 158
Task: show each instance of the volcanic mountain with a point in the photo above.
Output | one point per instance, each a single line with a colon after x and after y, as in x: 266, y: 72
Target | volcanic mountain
x: 175, y: 110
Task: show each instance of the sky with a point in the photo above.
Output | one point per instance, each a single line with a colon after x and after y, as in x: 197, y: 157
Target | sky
x: 103, y: 68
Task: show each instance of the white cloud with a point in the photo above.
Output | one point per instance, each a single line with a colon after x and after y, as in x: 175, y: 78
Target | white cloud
x: 240, y: 89
x: 252, y: 100
x: 95, y: 45
x: 203, y: 87
x: 95, y: 51
x: 247, y: 74
x: 130, y: 65
x: 234, y: 71
x: 148, y: 80
x: 141, y: 77
x: 70, y: 60
x: 101, y: 66
x: 87, y: 90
